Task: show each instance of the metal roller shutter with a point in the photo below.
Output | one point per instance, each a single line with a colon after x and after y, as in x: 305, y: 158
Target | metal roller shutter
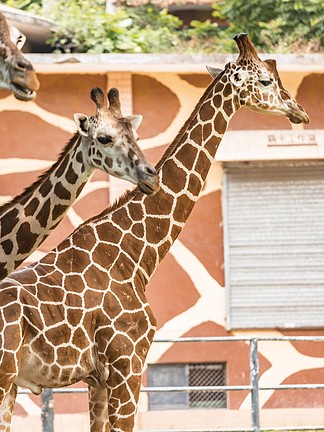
x: 274, y: 244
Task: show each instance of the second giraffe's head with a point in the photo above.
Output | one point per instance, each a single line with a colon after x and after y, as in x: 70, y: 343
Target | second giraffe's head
x: 257, y: 85
x: 111, y: 142
x: 16, y: 72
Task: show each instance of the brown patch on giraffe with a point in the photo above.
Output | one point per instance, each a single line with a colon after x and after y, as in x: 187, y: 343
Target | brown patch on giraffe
x: 86, y: 239
x: 121, y: 218
x: 206, y: 112
x: 105, y: 255
x: 78, y: 337
x: 92, y: 298
x: 45, y: 188
x: 73, y: 300
x: 61, y: 192
x: 193, y: 184
x: 187, y: 154
x: 25, y: 238
x: 67, y: 355
x: 135, y: 211
x: 11, y: 331
x: 149, y: 259
x: 217, y: 100
x: 73, y: 261
x: 49, y: 258
x: 96, y: 279
x: 195, y: 134
x: 7, y: 246
x: 110, y: 302
x: 32, y: 207
x: 109, y: 233
x: 126, y: 295
x: 122, y: 364
x: 164, y: 249
x: 228, y: 108
x: 182, y: 209
x: 123, y: 268
x: 74, y: 282
x: 52, y: 313
x: 156, y: 228
x: 9, y: 222
x: 163, y: 204
x: 58, y: 210
x: 138, y: 230
x: 120, y: 345
x: 49, y: 293
x: 71, y: 176
x: 44, y: 350
x: 74, y: 316
x: 176, y: 185
x: 202, y: 163
x: 227, y: 90
x: 43, y: 213
x: 132, y: 246
x: 58, y: 335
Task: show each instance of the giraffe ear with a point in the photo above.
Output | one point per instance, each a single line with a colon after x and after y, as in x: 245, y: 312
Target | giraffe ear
x: 16, y: 37
x: 135, y: 120
x: 239, y: 77
x: 81, y: 120
x: 213, y: 71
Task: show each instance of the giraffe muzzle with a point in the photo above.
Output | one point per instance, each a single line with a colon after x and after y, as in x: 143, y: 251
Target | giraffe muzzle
x: 150, y: 183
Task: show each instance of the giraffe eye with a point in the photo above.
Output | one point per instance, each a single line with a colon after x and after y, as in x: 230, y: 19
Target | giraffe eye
x: 265, y: 83
x: 105, y: 139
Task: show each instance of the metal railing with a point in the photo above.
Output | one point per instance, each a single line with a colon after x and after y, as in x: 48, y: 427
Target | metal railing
x: 253, y: 386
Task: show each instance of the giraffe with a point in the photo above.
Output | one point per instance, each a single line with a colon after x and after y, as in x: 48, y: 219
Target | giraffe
x: 16, y: 72
x: 105, y: 141
x: 80, y: 313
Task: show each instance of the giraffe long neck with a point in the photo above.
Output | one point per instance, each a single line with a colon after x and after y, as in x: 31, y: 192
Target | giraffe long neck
x: 134, y: 236
x: 27, y: 219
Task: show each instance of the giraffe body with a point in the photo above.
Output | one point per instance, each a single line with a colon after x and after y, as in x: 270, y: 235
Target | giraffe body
x: 81, y: 312
x: 105, y: 141
x: 16, y: 72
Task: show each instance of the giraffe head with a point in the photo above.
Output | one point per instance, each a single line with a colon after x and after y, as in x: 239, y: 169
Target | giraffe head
x: 257, y: 85
x: 16, y: 72
x: 111, y: 142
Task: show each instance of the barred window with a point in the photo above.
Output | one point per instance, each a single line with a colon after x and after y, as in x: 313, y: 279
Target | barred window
x: 184, y: 375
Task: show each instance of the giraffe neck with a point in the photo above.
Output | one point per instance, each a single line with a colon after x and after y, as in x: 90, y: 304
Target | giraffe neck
x: 27, y: 220
x: 144, y: 227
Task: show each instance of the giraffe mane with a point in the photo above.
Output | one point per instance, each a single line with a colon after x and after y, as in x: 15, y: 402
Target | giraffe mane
x: 46, y: 173
x: 184, y: 128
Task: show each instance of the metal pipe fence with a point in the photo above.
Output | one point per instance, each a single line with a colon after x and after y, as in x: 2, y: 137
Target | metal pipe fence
x: 254, y: 388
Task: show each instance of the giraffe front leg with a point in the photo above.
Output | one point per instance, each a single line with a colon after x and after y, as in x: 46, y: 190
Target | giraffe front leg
x: 6, y: 408
x: 98, y: 407
x: 123, y: 397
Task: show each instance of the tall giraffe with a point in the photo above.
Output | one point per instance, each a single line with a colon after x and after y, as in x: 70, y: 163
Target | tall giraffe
x: 105, y: 141
x: 16, y: 72
x: 81, y: 313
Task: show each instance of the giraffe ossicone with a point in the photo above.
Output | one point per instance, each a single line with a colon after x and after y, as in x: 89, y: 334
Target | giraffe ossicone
x: 16, y: 72
x: 105, y: 141
x: 80, y: 313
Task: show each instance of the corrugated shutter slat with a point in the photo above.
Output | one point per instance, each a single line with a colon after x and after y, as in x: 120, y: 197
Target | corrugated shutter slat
x: 274, y: 231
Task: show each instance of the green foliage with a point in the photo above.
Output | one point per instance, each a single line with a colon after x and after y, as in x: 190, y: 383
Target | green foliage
x: 273, y: 25
x: 276, y: 25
